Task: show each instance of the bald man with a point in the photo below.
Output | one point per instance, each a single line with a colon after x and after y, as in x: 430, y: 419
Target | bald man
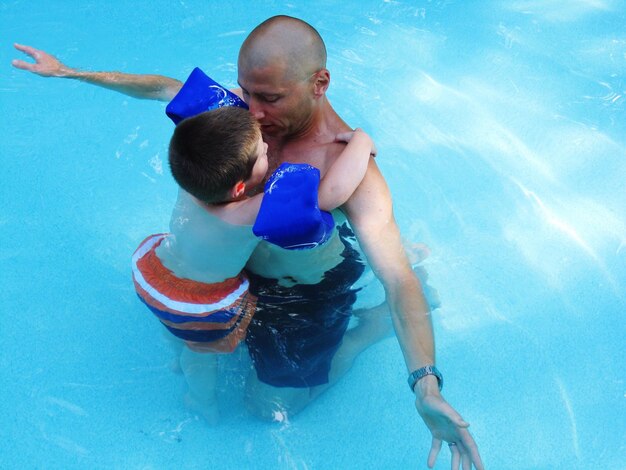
x: 298, y: 341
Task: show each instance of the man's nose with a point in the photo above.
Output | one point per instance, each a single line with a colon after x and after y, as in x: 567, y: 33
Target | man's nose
x: 255, y: 109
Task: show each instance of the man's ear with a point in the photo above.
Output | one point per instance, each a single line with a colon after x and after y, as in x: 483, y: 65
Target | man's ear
x: 322, y: 80
x: 237, y: 190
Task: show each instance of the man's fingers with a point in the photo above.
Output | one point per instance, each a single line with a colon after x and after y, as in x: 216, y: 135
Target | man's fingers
x: 434, y: 452
x: 456, y: 456
x: 457, y: 420
x: 466, y: 460
x: 461, y: 423
x: 475, y: 458
x: 20, y: 64
x: 471, y: 450
x: 25, y: 49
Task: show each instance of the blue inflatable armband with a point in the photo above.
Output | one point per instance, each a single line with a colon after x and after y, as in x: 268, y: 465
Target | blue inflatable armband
x: 289, y: 215
x: 199, y: 94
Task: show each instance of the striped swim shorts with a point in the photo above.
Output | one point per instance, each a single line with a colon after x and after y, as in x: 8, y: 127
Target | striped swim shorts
x: 208, y: 316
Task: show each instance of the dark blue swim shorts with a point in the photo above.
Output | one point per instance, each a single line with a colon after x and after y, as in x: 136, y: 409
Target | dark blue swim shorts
x: 297, y: 330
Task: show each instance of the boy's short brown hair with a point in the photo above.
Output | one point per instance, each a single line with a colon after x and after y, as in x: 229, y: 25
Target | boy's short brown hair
x: 211, y: 152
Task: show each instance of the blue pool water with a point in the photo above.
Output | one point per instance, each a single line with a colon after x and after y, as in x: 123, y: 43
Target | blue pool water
x: 501, y: 127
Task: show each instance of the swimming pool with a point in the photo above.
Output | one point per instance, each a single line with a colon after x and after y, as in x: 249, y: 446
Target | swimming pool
x: 502, y: 135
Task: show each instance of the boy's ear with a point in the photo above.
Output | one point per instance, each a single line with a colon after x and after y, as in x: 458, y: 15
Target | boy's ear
x: 238, y: 190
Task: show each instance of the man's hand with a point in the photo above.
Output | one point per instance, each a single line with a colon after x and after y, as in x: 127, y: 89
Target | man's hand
x: 45, y: 64
x: 445, y: 424
x: 142, y: 86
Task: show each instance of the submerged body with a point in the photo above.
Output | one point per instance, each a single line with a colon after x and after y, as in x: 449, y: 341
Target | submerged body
x: 291, y: 267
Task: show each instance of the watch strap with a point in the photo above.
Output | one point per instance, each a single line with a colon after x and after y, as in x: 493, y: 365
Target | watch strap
x: 423, y: 372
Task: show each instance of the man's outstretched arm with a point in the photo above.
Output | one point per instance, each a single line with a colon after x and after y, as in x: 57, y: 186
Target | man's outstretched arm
x: 152, y: 87
x: 371, y: 216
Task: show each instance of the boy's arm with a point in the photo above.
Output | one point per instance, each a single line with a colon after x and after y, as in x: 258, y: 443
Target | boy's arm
x: 153, y: 87
x: 347, y: 171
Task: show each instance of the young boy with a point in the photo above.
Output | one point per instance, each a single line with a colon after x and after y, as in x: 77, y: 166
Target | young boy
x: 192, y: 278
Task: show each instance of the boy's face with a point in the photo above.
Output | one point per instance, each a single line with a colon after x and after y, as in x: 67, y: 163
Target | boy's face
x: 260, y: 165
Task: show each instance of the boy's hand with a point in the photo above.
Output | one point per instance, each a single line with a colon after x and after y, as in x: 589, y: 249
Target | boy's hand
x: 347, y: 136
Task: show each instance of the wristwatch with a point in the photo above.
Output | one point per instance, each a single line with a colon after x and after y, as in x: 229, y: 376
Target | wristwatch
x: 423, y: 372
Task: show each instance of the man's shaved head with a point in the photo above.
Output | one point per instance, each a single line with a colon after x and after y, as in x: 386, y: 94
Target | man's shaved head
x: 286, y: 41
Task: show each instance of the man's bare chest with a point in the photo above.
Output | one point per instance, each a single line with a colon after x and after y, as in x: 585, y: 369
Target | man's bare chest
x: 320, y: 156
